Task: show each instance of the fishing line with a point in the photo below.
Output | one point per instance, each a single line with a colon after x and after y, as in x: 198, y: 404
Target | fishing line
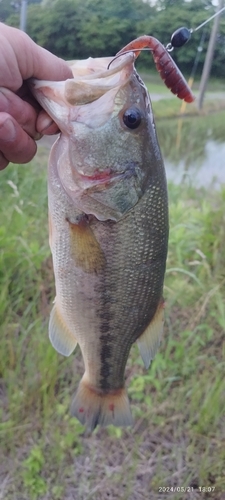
x: 209, y: 19
x: 183, y: 35
x: 128, y: 52
x: 178, y: 39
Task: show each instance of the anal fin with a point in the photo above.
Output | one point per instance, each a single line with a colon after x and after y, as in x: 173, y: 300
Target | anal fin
x: 60, y: 335
x: 149, y: 340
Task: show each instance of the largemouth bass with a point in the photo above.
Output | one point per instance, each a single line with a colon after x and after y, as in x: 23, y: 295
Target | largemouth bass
x: 108, y: 220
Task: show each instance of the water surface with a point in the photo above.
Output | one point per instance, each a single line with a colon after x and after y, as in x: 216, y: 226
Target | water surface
x: 194, y: 149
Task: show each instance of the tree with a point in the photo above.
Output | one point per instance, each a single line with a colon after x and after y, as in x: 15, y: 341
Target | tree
x: 190, y: 14
x: 76, y: 29
x: 166, y: 4
x: 8, y: 8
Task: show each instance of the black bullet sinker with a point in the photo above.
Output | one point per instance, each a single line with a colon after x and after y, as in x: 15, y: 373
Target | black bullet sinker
x: 180, y: 37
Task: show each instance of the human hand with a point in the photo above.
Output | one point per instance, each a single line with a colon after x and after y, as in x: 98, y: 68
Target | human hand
x: 22, y: 121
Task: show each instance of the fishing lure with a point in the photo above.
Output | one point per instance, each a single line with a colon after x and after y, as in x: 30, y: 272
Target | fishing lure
x: 165, y: 65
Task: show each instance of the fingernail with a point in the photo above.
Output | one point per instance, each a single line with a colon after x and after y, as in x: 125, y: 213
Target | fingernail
x: 7, y: 131
x: 37, y: 136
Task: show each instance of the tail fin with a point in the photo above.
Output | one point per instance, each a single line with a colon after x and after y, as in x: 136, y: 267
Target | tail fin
x: 93, y: 408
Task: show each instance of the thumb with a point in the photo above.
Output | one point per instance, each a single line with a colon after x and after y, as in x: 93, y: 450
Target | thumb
x: 26, y: 59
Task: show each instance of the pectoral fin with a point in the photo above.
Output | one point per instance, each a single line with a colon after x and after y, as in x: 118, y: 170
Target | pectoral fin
x: 60, y: 336
x: 149, y: 341
x: 85, y: 248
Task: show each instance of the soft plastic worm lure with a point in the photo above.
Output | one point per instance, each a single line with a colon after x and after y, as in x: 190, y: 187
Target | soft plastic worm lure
x: 165, y: 65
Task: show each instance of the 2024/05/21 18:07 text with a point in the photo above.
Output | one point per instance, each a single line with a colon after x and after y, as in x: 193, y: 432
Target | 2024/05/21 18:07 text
x: 186, y: 489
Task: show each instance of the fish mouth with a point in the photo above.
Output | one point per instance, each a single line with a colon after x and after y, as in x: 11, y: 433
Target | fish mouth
x: 98, y: 179
x: 64, y: 100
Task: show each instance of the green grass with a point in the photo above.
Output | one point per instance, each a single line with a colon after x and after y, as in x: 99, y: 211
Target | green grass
x: 178, y: 404
x: 169, y: 107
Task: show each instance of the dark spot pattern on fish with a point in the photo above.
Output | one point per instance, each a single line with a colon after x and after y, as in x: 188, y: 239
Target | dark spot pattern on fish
x: 106, y: 340
x: 104, y: 329
x: 105, y: 370
x: 140, y: 270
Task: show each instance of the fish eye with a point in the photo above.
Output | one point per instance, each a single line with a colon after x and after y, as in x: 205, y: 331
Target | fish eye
x: 132, y: 118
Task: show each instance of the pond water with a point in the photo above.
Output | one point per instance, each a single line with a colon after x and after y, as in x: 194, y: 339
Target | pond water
x: 194, y: 149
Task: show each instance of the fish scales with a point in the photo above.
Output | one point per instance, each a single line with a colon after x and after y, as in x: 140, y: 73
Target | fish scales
x: 108, y: 238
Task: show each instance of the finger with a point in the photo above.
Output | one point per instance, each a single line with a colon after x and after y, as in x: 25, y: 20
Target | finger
x: 22, y: 111
x: 27, y: 60
x: 15, y: 144
x: 45, y: 124
x: 47, y: 66
x: 3, y: 161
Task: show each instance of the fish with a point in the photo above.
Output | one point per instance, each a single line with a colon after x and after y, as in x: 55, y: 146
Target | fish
x: 108, y: 229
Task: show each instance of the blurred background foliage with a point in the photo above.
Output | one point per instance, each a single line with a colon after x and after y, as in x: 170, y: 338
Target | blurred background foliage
x: 76, y: 29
